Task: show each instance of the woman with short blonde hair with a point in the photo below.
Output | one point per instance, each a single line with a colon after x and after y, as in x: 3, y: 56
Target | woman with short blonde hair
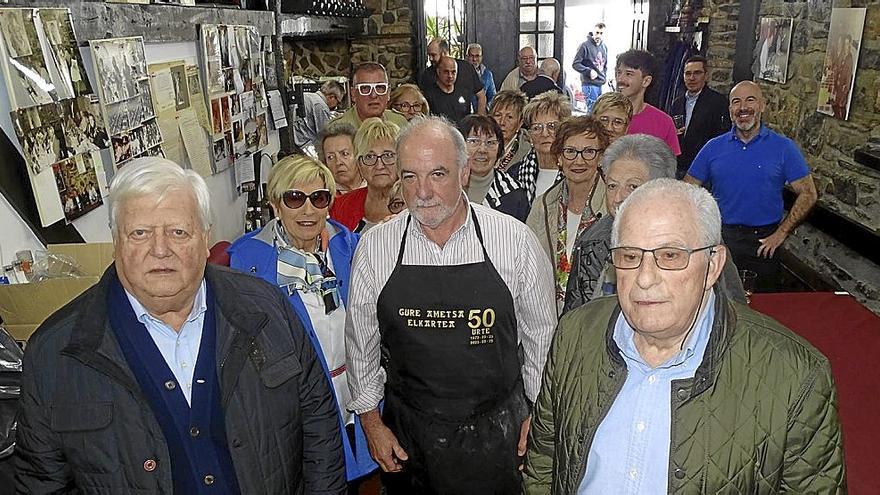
x: 615, y: 112
x: 408, y: 100
x: 375, y: 148
x: 507, y: 110
x: 308, y: 257
x: 538, y: 170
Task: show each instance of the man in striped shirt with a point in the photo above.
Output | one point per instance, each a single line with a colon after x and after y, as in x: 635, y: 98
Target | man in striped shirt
x: 442, y: 298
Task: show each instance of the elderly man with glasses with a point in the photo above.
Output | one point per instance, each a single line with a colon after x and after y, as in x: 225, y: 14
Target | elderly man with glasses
x: 369, y: 96
x: 670, y: 386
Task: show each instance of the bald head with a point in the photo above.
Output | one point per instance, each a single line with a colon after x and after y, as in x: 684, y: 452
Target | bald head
x: 550, y: 68
x: 447, y: 72
x: 746, y: 107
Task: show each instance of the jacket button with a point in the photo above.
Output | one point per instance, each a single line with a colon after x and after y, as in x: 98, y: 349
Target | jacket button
x: 194, y: 431
x: 611, y: 374
x: 209, y: 479
x: 170, y: 385
x: 150, y: 465
x: 679, y: 474
x: 236, y: 443
x: 682, y: 393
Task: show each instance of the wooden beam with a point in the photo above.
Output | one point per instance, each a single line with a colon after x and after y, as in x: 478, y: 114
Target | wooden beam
x: 156, y: 23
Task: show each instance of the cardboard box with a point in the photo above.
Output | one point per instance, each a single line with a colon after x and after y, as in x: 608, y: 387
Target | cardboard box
x: 25, y: 306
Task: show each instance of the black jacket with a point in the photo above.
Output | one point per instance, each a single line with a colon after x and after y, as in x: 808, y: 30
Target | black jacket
x: 85, y: 426
x: 538, y: 85
x: 711, y: 118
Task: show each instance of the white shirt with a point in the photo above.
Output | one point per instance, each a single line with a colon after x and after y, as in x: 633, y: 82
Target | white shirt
x: 512, y: 248
x: 546, y: 179
x: 330, y: 330
x: 573, y: 221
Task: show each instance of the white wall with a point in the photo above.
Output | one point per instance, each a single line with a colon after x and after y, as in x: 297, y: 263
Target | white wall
x: 227, y: 205
x: 581, y: 17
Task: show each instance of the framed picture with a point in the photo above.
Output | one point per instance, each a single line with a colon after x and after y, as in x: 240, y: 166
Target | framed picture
x: 774, y: 46
x: 841, y: 60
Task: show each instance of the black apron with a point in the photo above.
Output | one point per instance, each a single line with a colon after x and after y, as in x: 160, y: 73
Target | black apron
x: 454, y: 395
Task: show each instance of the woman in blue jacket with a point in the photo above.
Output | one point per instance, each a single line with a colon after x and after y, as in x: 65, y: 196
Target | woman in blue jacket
x: 308, y: 256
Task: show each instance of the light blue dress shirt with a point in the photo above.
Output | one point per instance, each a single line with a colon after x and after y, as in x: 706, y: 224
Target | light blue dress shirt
x: 630, y: 452
x: 180, y: 349
x: 690, y: 101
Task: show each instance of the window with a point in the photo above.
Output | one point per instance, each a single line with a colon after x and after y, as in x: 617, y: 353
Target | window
x: 538, y: 26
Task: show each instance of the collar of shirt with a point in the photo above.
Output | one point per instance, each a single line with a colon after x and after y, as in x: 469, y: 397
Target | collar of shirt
x: 761, y: 134
x: 200, y: 305
x: 416, y: 227
x: 696, y: 343
x: 692, y: 96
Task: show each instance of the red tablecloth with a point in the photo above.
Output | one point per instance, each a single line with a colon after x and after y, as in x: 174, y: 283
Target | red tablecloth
x: 849, y: 335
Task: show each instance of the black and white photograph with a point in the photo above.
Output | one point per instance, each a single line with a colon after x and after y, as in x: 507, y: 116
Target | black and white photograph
x: 251, y: 134
x: 151, y: 135
x: 118, y: 119
x: 774, y: 44
x: 135, y: 142
x: 238, y: 131
x: 227, y: 116
x: 841, y: 62
x: 224, y: 46
x: 181, y: 90
x: 216, y: 116
x: 80, y: 193
x: 146, y: 97
x: 41, y: 135
x: 64, y: 57
x: 83, y: 127
x: 262, y: 131
x: 121, y: 148
x: 235, y: 104
x: 13, y: 25
x: 119, y: 64
x: 221, y: 155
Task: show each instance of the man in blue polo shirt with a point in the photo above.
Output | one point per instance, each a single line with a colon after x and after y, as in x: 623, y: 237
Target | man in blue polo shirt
x: 746, y: 169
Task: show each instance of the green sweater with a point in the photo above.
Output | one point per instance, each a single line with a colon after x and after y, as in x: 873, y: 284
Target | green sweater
x: 759, y: 416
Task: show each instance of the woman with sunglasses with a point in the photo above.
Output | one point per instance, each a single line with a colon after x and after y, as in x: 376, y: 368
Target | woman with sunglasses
x: 408, y: 101
x: 374, y: 146
x: 308, y: 256
x: 488, y: 185
x: 569, y: 208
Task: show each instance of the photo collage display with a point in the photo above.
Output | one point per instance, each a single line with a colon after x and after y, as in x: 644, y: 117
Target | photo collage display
x: 121, y: 69
x: 234, y: 72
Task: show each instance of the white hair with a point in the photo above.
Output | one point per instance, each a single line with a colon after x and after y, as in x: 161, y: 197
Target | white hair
x: 157, y: 176
x: 702, y: 205
x: 420, y: 124
x: 649, y: 150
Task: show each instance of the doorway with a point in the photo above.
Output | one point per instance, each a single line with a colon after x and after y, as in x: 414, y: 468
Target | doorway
x: 581, y: 17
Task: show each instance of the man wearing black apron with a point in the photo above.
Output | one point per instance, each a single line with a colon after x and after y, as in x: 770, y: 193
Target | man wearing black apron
x: 455, y: 413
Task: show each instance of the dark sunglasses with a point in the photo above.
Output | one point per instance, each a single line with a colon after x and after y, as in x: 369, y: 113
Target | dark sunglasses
x: 294, y: 199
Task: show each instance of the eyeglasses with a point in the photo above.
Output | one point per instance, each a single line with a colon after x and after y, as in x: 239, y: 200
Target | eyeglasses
x: 616, y: 122
x: 405, y: 107
x: 666, y: 258
x: 477, y: 142
x: 364, y: 89
x: 396, y: 206
x: 370, y: 159
x: 571, y: 154
x: 539, y: 128
x: 294, y: 199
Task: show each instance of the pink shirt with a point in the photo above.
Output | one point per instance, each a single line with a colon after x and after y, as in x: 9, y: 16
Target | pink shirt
x: 655, y: 122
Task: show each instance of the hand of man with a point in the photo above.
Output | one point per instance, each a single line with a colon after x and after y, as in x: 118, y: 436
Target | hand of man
x: 384, y: 447
x: 521, y: 447
x: 770, y: 243
x: 593, y: 74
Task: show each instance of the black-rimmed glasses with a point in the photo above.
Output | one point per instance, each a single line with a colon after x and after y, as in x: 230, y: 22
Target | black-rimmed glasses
x: 406, y: 107
x: 294, y: 198
x: 571, y: 153
x: 370, y: 159
x: 615, y: 122
x: 666, y: 258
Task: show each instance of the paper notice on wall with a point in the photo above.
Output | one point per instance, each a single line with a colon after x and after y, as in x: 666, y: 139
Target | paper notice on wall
x: 244, y: 171
x: 172, y: 144
x: 276, y: 109
x: 194, y: 142
x: 197, y: 96
x: 163, y: 91
x: 46, y: 195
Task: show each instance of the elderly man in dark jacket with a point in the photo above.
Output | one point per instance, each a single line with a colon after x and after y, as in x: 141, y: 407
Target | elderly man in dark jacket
x: 672, y: 388
x: 170, y: 376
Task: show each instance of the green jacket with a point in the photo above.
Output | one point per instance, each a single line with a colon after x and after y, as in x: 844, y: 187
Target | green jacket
x: 759, y: 416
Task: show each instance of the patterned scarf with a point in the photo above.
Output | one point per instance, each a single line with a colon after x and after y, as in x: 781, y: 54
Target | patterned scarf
x: 528, y: 174
x: 509, y: 153
x: 300, y: 270
x: 588, y: 218
x: 501, y: 185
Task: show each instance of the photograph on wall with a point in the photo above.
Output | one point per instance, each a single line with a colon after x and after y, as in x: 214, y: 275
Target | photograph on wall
x: 63, y: 57
x: 41, y: 135
x: 841, y: 60
x: 217, y: 116
x: 181, y: 89
x: 27, y: 77
x: 774, y: 46
x: 77, y: 184
x: 83, y: 126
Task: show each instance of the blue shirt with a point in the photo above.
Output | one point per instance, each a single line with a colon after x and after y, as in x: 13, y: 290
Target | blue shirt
x: 747, y: 178
x: 180, y: 349
x: 690, y: 101
x: 630, y: 452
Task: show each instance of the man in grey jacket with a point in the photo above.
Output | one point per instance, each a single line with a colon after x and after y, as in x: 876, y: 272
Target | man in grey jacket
x: 171, y: 376
x: 591, y: 62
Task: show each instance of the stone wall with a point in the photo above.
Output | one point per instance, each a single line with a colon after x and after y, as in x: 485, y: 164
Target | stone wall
x: 387, y: 39
x: 845, y: 187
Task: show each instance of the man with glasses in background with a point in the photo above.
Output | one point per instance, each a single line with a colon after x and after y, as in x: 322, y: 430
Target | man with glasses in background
x: 475, y: 57
x: 369, y: 96
x: 670, y: 386
x: 526, y: 70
